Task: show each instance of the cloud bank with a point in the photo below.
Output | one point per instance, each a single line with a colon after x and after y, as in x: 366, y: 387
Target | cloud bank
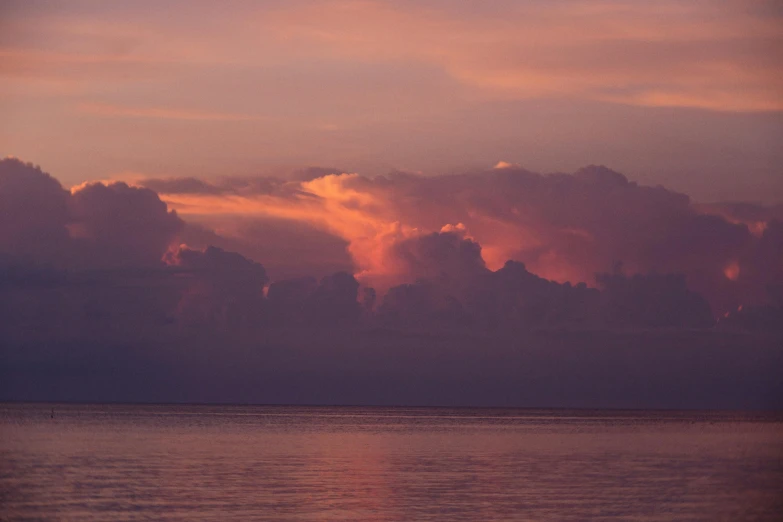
x: 506, y: 266
x: 564, y: 227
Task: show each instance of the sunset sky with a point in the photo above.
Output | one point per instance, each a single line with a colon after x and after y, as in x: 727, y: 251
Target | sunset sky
x: 419, y: 165
x: 685, y: 94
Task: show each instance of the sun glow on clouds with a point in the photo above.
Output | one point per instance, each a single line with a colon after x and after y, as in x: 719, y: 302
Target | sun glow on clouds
x: 327, y: 203
x: 367, y: 220
x: 401, y: 227
x: 373, y: 220
x: 732, y: 271
x: 563, y: 227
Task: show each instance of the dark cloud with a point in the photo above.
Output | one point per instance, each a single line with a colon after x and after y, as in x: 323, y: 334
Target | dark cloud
x: 223, y: 289
x: 181, y: 186
x: 514, y: 298
x: 761, y: 266
x: 564, y: 227
x: 288, y: 299
x: 92, y: 284
x: 95, y: 226
x: 422, y: 306
x: 760, y: 318
x: 121, y: 225
x: 228, y: 185
x: 289, y: 249
x: 444, y: 257
x: 652, y: 301
x: 304, y: 302
x: 33, y: 213
x: 335, y: 302
x: 227, y: 269
x: 568, y: 227
x: 453, y: 289
x: 743, y: 212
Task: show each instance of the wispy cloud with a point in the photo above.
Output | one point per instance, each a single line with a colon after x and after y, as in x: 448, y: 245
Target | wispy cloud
x: 718, y: 56
x: 714, y: 55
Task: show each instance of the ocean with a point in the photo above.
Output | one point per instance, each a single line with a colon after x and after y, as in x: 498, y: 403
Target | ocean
x: 284, y: 463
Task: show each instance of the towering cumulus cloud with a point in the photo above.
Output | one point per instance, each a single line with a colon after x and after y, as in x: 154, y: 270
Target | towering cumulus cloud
x: 33, y: 213
x: 93, y: 225
x: 403, y: 228
x: 396, y: 279
x: 224, y: 287
x: 118, y: 225
x: 564, y: 227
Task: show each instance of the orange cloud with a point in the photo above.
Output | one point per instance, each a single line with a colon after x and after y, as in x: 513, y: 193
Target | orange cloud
x: 373, y: 218
x: 364, y: 219
x: 563, y: 227
x: 732, y: 271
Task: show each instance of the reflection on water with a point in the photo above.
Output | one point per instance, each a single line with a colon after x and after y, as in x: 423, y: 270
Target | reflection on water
x: 118, y: 462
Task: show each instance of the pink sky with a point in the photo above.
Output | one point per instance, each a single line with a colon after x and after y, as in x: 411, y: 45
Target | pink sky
x: 685, y: 94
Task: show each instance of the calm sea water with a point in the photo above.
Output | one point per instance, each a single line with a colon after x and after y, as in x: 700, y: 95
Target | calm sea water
x: 121, y: 462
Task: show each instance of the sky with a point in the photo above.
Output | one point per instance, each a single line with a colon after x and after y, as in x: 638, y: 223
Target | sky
x: 687, y: 95
x: 392, y: 202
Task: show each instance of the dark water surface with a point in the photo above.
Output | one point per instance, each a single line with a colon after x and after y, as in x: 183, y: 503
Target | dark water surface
x: 130, y: 462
